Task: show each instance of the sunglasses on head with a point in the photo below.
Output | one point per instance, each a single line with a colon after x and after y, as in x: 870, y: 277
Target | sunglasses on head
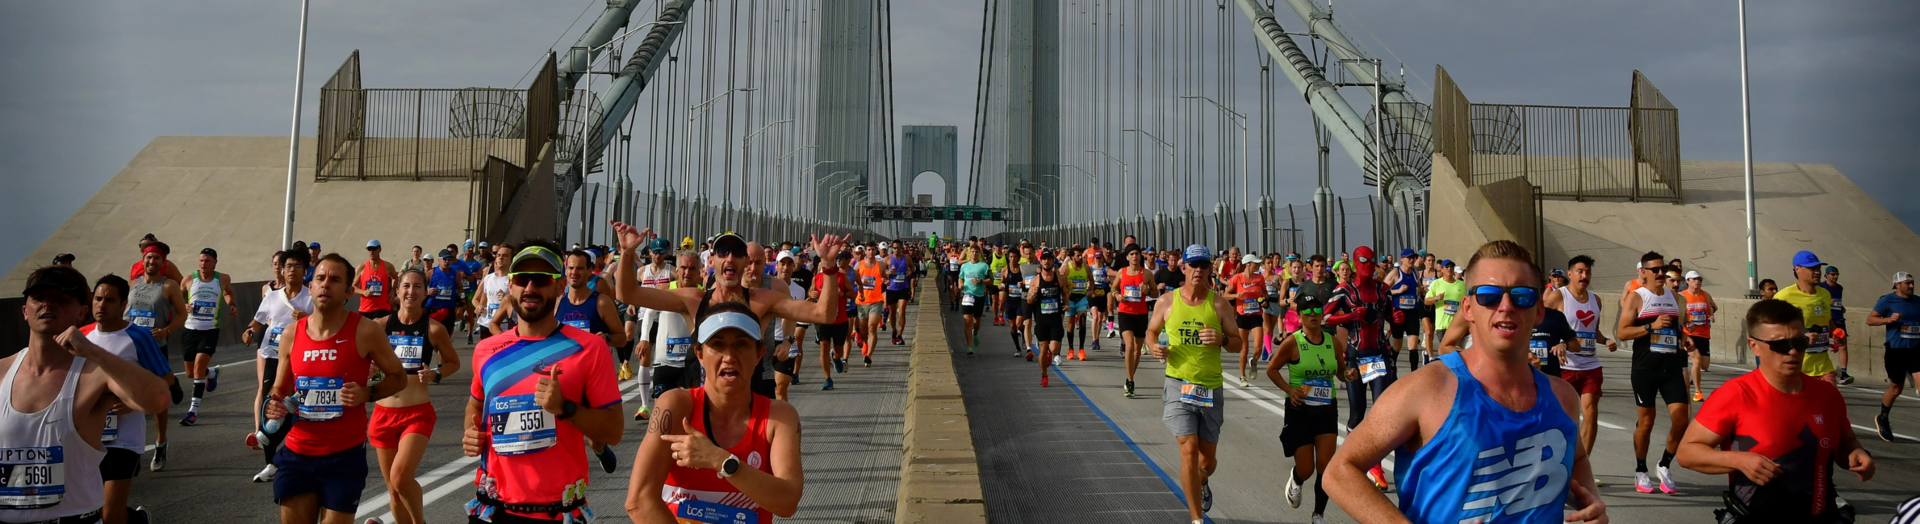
x: 1785, y: 346
x: 1489, y: 296
x: 533, y: 278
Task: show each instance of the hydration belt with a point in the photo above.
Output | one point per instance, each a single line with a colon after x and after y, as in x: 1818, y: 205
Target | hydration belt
x: 484, y: 507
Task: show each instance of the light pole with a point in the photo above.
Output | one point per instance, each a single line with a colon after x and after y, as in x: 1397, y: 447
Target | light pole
x: 1241, y: 120
x: 1099, y: 207
x: 1173, y: 158
x: 1746, y: 146
x: 700, y: 109
x: 744, y: 156
x: 1123, y: 180
x: 293, y: 137
x: 835, y: 191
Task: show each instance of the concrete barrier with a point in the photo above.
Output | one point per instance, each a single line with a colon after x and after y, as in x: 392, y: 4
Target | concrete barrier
x: 939, y: 476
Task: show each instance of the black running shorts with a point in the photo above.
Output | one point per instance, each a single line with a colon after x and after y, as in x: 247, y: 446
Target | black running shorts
x: 1668, y: 383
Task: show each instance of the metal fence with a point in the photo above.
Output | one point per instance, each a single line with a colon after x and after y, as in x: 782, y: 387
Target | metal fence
x: 1288, y: 228
x: 429, y: 134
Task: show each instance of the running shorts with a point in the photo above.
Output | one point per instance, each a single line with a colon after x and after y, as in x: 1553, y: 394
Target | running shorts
x: 1408, y: 328
x: 785, y: 367
x: 1049, y: 329
x: 1131, y: 323
x: 1901, y: 364
x: 376, y: 314
x: 1304, y: 423
x: 1704, y: 346
x: 871, y: 310
x: 119, y: 464
x: 1097, y: 304
x: 901, y: 295
x: 1584, y: 381
x: 668, y: 378
x: 1016, y: 307
x: 1275, y: 308
x: 1246, y: 322
x: 1079, y: 306
x: 198, y: 342
x: 337, y: 479
x: 1668, y: 383
x: 832, y: 334
x: 387, y: 425
x: 1187, y: 419
x: 979, y: 305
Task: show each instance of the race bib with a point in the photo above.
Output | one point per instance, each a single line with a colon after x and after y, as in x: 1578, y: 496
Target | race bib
x: 319, y: 398
x: 1697, y: 314
x: 1540, y: 349
x: 867, y: 282
x: 1131, y: 294
x: 1049, y: 306
x: 1664, y: 341
x: 1587, y: 342
x: 519, y: 426
x: 375, y: 288
x: 1372, y: 368
x: 111, y: 431
x: 273, y: 338
x: 899, y: 278
x: 411, y: 350
x: 677, y: 349
x: 692, y: 511
x: 1249, y: 306
x: 966, y: 300
x: 202, y: 310
x: 1910, y: 332
x: 1319, y: 391
x: 1453, y: 308
x: 143, y: 318
x: 1407, y: 302
x: 443, y: 293
x: 577, y: 324
x: 1079, y: 285
x: 35, y: 477
x: 1195, y: 394
x: 1819, y: 342
x: 1100, y: 278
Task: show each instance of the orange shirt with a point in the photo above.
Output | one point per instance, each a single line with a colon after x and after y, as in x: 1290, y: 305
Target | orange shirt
x: 871, y: 274
x: 1698, y: 307
x: 1250, y: 289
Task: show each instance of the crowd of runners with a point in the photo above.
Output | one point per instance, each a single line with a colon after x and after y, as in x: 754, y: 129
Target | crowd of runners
x: 714, y: 333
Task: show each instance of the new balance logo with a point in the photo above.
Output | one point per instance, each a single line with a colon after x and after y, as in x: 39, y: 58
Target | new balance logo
x: 1533, y: 475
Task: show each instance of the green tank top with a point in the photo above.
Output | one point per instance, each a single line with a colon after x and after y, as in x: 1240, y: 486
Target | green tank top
x: 1315, y: 369
x: 1079, y: 279
x: 1187, y: 358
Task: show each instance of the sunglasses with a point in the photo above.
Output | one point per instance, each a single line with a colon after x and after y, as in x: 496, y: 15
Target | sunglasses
x: 730, y: 250
x: 1785, y: 346
x: 1654, y: 268
x: 1489, y: 296
x: 1311, y: 312
x: 533, y: 278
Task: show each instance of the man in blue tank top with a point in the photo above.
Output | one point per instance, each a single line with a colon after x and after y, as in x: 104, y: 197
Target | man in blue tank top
x: 1484, y: 437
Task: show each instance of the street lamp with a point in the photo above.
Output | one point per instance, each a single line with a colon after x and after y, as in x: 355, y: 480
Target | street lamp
x: 1171, y: 158
x: 1099, y: 206
x: 1241, y: 120
x: 743, y: 160
x: 1123, y: 180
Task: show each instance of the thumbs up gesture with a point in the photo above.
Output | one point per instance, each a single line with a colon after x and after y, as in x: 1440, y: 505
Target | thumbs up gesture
x: 546, y: 391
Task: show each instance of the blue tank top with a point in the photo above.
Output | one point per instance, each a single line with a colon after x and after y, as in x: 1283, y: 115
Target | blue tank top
x: 585, y: 316
x: 443, y: 288
x: 901, y: 273
x: 1409, y: 299
x: 1489, y: 463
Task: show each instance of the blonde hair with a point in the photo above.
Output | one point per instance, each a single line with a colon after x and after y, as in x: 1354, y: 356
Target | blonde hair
x: 1506, y: 250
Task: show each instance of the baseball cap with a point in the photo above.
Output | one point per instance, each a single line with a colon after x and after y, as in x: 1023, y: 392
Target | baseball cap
x: 371, y: 244
x: 313, y: 245
x: 483, y: 244
x: 1406, y: 253
x: 1806, y: 259
x: 1833, y: 269
x: 1250, y: 259
x: 467, y: 244
x: 210, y: 252
x: 1459, y: 270
x: 1692, y: 275
x: 535, y: 253
x: 1421, y: 252
x: 657, y: 246
x: 1293, y: 256
x: 448, y: 254
x: 66, y: 280
x: 1902, y: 276
x: 718, y: 322
x: 1558, y: 273
x: 63, y: 257
x: 783, y: 256
x: 1196, y: 253
x: 730, y: 239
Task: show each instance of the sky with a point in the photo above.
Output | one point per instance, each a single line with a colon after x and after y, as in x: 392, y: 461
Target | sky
x: 85, y: 85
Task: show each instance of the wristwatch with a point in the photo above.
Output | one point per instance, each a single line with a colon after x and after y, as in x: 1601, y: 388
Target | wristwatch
x: 728, y: 467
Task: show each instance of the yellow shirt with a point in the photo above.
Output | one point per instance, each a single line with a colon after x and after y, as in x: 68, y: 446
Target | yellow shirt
x: 1817, y: 308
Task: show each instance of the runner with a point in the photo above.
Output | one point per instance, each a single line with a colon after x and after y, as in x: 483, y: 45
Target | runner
x: 1279, y: 279
x: 375, y: 278
x: 493, y: 292
x: 140, y: 268
x: 279, y: 310
x: 1311, y: 428
x: 588, y: 310
x: 1581, y: 367
x: 1446, y: 295
x: 786, y: 333
x: 1551, y: 339
x: 1015, y: 290
x: 1245, y: 290
x: 673, y: 339
x: 156, y: 303
x: 1403, y: 284
x: 443, y: 304
x: 1816, y: 312
x: 208, y: 293
x: 869, y: 273
x: 1430, y: 272
x: 1079, y: 280
x: 900, y: 284
x: 1361, y: 306
x: 973, y: 296
x: 125, y: 434
x: 1029, y: 266
x: 1131, y: 310
x: 1899, y: 311
x: 999, y: 286
x: 1700, y: 318
x: 471, y: 268
x: 1768, y: 288
x: 1760, y: 430
x: 1482, y: 436
x: 1194, y: 317
x: 1649, y: 319
x: 742, y: 460
x: 417, y: 261
x: 1047, y: 298
x: 403, y: 423
x: 322, y: 466
x: 834, y: 338
x: 803, y: 278
x: 56, y: 399
x: 313, y: 254
x: 545, y: 390
x: 1100, y: 281
x: 1838, y: 320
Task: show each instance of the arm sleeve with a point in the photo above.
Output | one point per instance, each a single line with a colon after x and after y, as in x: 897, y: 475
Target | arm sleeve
x: 148, y: 351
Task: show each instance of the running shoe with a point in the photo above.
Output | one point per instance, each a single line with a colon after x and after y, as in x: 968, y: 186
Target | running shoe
x: 1057, y: 360
x: 140, y: 515
x: 839, y: 366
x: 374, y: 520
x: 190, y: 419
x: 1666, y: 481
x: 1379, y: 477
x: 1884, y: 427
x: 1244, y: 383
x: 1096, y: 344
x: 626, y: 372
x: 608, y: 460
x: 253, y: 441
x: 1043, y: 381
x: 869, y: 360
x: 642, y: 413
x: 1845, y: 378
x: 1128, y: 388
x: 159, y: 458
x: 1317, y: 519
x: 266, y: 474
x: 1641, y: 483
x: 1029, y: 355
x: 1696, y: 396
x: 1293, y: 491
x: 1018, y: 352
x: 213, y: 378
x: 1082, y: 354
x: 827, y: 386
x: 1206, y: 497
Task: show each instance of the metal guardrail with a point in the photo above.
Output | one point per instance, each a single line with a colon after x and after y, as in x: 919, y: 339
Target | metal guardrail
x: 429, y: 134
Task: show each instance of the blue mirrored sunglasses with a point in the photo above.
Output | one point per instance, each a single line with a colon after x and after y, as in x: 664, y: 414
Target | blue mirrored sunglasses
x: 1489, y: 296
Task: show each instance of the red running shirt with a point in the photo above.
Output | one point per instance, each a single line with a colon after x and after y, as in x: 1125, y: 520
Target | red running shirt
x: 846, y: 294
x: 531, y: 456
x: 1134, y: 291
x: 320, y: 368
x: 1799, y: 432
x: 705, y: 489
x: 374, y: 278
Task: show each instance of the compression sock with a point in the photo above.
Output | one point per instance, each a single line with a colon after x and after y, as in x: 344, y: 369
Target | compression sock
x: 199, y: 388
x: 1666, y: 459
x: 1640, y: 465
x: 1885, y: 409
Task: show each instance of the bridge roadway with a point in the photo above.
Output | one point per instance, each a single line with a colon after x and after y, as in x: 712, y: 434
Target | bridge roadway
x: 1080, y: 451
x: 850, y: 446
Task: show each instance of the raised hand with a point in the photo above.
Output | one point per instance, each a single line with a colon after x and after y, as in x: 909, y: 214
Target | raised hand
x: 630, y: 238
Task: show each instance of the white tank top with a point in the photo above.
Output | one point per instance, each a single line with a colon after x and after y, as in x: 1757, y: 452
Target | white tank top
x: 1584, y: 317
x: 51, y: 471
x: 203, y: 303
x: 675, y: 343
x: 126, y: 430
x: 496, y: 287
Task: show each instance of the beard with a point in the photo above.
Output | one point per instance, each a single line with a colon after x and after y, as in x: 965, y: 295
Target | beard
x: 536, y: 314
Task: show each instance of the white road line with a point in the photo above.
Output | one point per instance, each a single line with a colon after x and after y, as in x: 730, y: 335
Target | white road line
x: 1609, y: 425
x: 1278, y: 398
x: 1386, y: 462
x: 1875, y: 432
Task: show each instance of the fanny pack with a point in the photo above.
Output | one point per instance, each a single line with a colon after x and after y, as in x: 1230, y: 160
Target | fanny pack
x: 484, y: 507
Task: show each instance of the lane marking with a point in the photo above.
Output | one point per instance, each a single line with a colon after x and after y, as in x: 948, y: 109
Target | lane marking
x: 1171, y: 485
x: 1876, y: 432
